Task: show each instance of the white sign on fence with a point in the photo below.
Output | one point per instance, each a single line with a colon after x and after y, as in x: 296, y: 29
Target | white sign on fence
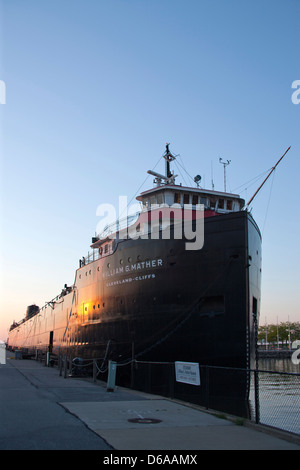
x: 187, y: 372
x: 2, y: 353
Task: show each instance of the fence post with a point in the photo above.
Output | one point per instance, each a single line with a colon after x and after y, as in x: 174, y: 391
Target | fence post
x: 207, y: 387
x: 132, y: 366
x: 65, y: 366
x: 60, y: 362
x: 94, y: 370
x: 256, y: 377
x: 256, y: 397
x: 172, y: 380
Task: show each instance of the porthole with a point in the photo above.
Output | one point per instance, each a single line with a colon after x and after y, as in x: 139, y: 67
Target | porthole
x: 90, y: 272
x: 121, y: 261
x: 138, y: 257
x: 129, y: 259
x: 108, y: 265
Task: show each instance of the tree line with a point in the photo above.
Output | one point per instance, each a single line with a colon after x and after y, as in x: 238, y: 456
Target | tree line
x: 283, y: 333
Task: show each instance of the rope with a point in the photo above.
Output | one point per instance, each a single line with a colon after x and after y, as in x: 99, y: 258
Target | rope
x: 191, y: 310
x: 138, y: 190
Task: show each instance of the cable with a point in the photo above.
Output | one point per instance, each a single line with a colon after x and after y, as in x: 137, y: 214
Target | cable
x: 267, y: 210
x: 184, y: 168
x: 140, y: 187
x: 184, y: 319
x: 253, y: 180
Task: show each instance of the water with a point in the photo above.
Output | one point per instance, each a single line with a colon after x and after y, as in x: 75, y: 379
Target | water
x: 279, y: 365
x: 279, y: 394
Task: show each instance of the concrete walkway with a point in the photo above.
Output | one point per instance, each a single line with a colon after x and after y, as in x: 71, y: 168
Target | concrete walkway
x: 42, y: 410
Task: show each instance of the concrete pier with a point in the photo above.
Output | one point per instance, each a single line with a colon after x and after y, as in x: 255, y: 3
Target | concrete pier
x: 44, y: 411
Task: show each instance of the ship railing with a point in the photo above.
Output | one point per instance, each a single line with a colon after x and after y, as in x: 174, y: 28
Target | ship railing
x: 119, y: 224
x: 58, y: 298
x: 110, y: 229
x: 94, y: 255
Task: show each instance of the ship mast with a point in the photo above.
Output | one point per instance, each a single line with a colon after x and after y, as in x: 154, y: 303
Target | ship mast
x: 169, y: 177
x: 251, y: 199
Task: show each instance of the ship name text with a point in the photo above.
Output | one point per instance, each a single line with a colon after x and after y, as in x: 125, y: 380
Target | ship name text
x: 131, y: 268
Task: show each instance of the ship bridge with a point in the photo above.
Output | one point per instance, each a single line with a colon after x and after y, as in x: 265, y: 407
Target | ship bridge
x: 165, y: 194
x: 219, y: 202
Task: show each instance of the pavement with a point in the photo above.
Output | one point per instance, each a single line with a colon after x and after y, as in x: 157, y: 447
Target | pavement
x: 41, y: 410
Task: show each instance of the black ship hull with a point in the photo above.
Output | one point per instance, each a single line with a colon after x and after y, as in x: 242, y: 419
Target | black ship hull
x: 153, y: 300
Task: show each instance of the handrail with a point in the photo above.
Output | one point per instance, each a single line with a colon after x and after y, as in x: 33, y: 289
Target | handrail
x: 118, y: 224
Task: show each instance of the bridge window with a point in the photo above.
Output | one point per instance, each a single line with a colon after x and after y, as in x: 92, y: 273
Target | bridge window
x: 195, y: 199
x: 152, y: 200
x: 177, y: 198
x: 212, y: 203
x: 221, y: 204
x: 229, y: 204
x: 186, y: 199
x: 160, y: 198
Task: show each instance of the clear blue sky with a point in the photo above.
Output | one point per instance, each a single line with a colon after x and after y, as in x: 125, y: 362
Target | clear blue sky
x: 94, y: 90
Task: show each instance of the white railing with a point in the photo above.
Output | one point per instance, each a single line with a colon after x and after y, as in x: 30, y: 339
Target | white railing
x: 118, y: 225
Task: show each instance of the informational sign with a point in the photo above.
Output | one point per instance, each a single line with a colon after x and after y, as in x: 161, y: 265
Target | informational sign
x: 2, y: 353
x: 187, y: 372
x: 111, y: 381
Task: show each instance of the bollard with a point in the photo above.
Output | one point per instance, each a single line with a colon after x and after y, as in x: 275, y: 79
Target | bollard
x: 111, y: 381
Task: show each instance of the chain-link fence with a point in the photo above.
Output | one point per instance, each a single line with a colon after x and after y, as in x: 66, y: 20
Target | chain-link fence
x: 278, y: 399
x: 265, y: 397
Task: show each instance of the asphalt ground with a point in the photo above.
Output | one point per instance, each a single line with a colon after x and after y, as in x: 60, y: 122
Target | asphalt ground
x: 41, y: 410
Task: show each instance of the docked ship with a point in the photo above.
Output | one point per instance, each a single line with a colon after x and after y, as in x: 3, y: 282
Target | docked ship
x: 149, y: 292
